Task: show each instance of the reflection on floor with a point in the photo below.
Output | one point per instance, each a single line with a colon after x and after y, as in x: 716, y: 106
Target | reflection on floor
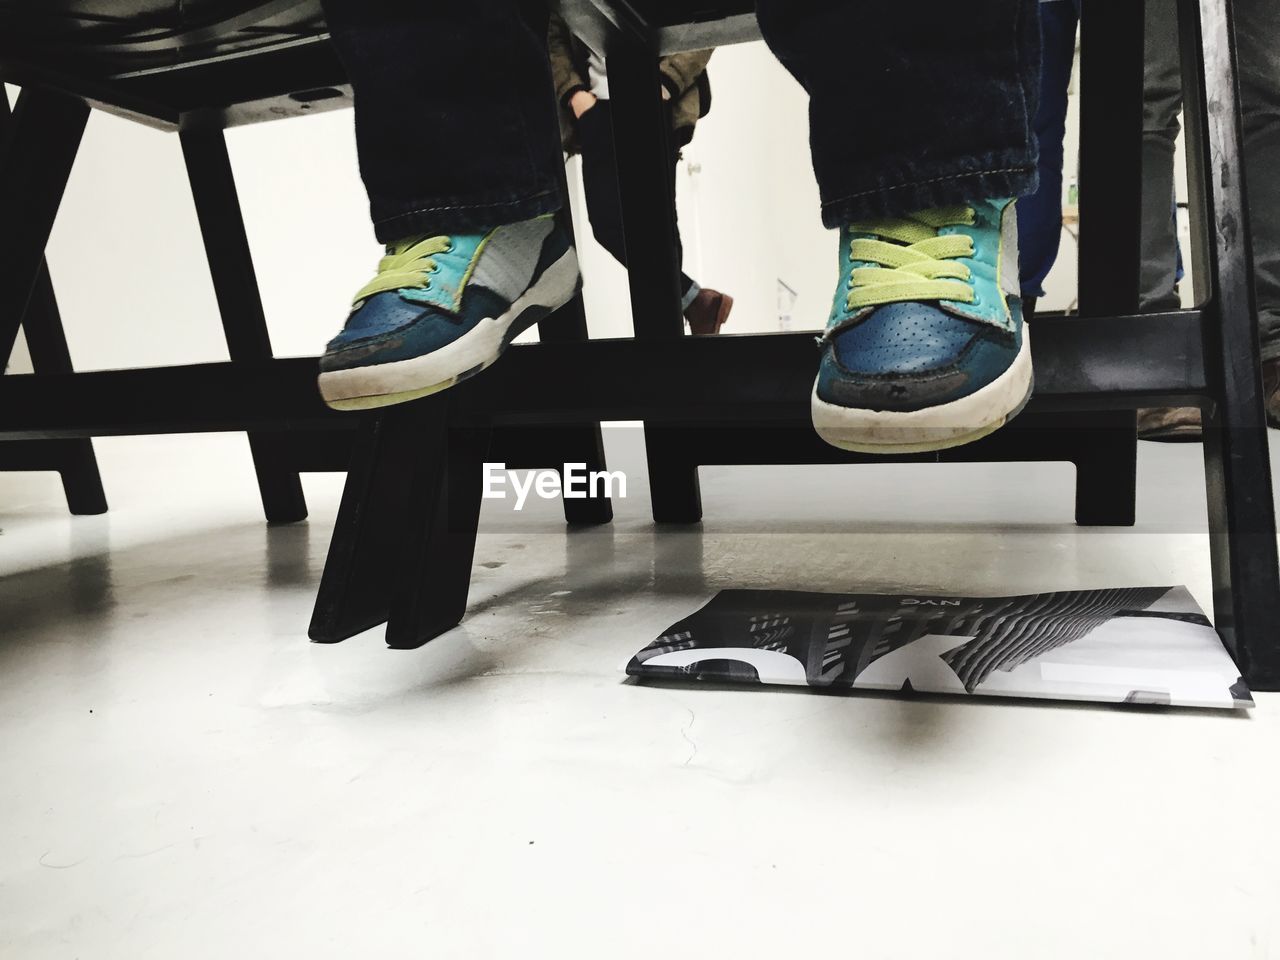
x: 186, y: 776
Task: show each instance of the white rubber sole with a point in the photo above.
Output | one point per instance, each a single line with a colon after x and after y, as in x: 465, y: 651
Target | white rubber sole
x: 384, y: 384
x: 934, y: 428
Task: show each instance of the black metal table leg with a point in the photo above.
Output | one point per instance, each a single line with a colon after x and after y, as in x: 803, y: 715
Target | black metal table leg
x: 1111, y: 98
x: 1105, y: 452
x: 433, y: 578
x: 579, y: 443
x: 674, y: 488
x: 585, y: 444
x: 370, y: 532
x: 1242, y: 531
x: 231, y: 266
x: 641, y: 134
x: 47, y: 344
x: 44, y: 138
x: 405, y: 534
x: 1110, y: 235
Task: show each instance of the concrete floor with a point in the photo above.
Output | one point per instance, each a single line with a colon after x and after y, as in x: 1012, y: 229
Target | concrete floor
x: 183, y: 775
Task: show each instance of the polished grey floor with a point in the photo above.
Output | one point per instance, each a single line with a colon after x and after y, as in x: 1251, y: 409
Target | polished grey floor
x: 184, y: 775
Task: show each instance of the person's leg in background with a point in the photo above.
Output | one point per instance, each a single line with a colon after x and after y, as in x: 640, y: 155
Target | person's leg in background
x: 600, y: 187
x: 1258, y: 59
x: 704, y: 309
x: 921, y: 133
x: 1162, y: 106
x: 1258, y: 48
x: 1158, y: 279
x: 1040, y: 214
x: 459, y: 148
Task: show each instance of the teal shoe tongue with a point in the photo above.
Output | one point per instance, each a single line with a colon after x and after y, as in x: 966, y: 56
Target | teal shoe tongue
x: 436, y: 270
x: 453, y: 271
x: 994, y: 264
x: 427, y: 269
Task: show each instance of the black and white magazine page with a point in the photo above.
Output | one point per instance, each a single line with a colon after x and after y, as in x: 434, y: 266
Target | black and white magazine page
x: 1145, y: 645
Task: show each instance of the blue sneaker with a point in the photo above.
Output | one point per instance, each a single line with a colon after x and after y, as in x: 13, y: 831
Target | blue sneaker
x: 443, y: 308
x: 926, y: 346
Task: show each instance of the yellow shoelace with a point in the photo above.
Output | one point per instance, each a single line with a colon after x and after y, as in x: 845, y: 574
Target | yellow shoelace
x: 408, y: 264
x: 915, y: 263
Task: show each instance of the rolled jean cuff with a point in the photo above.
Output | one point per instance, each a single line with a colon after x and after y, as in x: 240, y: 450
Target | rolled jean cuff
x: 897, y: 199
x: 395, y: 221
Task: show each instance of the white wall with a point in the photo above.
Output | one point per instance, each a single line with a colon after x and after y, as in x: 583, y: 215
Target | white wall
x: 753, y: 206
x: 127, y: 259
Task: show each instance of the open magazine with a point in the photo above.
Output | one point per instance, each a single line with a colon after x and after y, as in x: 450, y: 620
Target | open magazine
x: 1126, y: 645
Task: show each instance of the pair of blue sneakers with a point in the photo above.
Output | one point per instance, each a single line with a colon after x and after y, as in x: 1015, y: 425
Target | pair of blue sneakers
x: 925, y: 347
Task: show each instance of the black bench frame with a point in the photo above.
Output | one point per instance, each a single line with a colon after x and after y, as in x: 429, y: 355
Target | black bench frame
x: 402, y: 547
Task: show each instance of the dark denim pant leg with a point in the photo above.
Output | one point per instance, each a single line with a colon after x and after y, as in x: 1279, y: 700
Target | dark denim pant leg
x: 912, y: 105
x: 1162, y: 103
x: 455, y: 114
x: 1258, y: 42
x: 1040, y: 213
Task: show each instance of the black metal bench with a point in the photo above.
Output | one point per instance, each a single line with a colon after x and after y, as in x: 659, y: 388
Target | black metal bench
x: 402, y: 546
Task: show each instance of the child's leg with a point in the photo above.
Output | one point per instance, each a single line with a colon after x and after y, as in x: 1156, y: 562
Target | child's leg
x: 460, y: 153
x: 455, y: 119
x: 912, y: 105
x: 920, y: 125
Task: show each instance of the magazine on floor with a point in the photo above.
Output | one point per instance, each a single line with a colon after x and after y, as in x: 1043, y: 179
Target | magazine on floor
x: 1144, y: 645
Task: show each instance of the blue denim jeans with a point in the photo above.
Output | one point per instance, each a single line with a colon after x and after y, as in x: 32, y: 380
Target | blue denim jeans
x: 1040, y: 213
x: 911, y: 105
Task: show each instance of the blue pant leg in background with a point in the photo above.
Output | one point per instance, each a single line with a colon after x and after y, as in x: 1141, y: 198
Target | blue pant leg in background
x: 1040, y: 214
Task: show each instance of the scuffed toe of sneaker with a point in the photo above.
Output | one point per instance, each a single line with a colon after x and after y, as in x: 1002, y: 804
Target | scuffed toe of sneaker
x: 377, y: 325
x: 387, y: 328
x: 911, y: 356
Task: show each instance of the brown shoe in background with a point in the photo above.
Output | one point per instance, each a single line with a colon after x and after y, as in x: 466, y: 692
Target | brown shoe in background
x: 1170, y: 424
x: 708, y: 312
x: 1175, y: 424
x: 1271, y: 391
